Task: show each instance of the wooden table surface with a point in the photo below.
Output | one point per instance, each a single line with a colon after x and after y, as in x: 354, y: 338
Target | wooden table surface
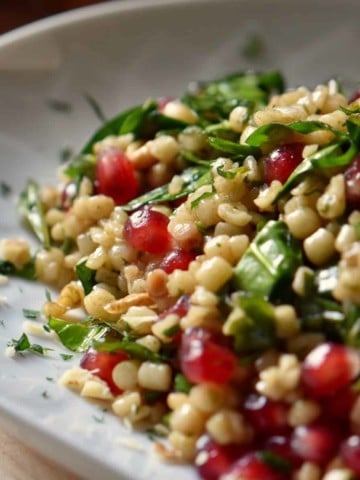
x: 18, y: 462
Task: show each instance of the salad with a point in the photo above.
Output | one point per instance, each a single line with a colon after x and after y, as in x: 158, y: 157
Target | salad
x: 207, y: 255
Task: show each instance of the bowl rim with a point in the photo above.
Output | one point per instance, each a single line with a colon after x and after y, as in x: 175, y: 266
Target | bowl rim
x: 90, y: 12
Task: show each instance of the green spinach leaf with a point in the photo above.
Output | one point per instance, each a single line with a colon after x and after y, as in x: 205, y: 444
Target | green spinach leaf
x: 77, y: 337
x: 270, y: 261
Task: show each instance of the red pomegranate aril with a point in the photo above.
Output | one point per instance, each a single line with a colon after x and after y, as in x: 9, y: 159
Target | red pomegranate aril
x: 282, y: 161
x: 252, y: 466
x: 162, y: 102
x: 203, y: 359
x: 177, y: 260
x: 102, y: 364
x: 315, y: 443
x: 147, y: 231
x: 338, y: 406
x: 355, y: 96
x: 350, y: 453
x: 115, y: 176
x: 180, y: 308
x: 213, y: 460
x: 265, y: 415
x: 67, y: 195
x: 329, y: 368
x: 281, y: 446
x: 352, y: 182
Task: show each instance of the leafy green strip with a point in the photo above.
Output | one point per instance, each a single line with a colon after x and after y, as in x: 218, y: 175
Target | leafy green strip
x: 27, y: 271
x: 269, y: 262
x: 135, y: 350
x: 233, y: 148
x: 30, y: 208
x: 193, y: 178
x: 86, y: 276
x: 77, y: 337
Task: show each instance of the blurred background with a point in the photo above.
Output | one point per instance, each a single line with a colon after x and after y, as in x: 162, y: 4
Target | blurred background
x: 14, y: 13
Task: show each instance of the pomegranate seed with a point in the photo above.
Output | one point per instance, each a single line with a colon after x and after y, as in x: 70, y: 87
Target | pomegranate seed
x: 281, y: 445
x: 282, y: 161
x: 252, y: 467
x: 213, y: 460
x: 338, y: 406
x: 102, y: 364
x: 315, y: 443
x: 352, y: 182
x: 328, y: 368
x: 350, y: 453
x: 147, y: 231
x: 162, y: 102
x: 115, y: 176
x: 67, y: 196
x: 266, y: 415
x: 177, y: 260
x: 203, y: 359
x: 180, y: 308
x: 355, y: 96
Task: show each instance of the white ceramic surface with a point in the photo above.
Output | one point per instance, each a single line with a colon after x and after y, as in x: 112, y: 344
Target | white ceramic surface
x: 122, y: 53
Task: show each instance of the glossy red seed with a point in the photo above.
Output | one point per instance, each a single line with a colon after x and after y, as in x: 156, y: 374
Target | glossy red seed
x: 339, y: 405
x: 102, y: 364
x: 355, y: 96
x: 265, y: 415
x: 329, y: 368
x: 282, y: 162
x: 162, y: 102
x: 202, y: 359
x: 352, y: 182
x: 350, y: 453
x: 213, y: 460
x: 315, y: 443
x: 115, y: 176
x: 281, y: 445
x: 67, y: 195
x: 177, y: 260
x: 180, y: 308
x: 147, y: 231
x: 252, y: 467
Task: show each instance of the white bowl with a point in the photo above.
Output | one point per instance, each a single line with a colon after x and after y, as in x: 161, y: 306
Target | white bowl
x: 122, y: 53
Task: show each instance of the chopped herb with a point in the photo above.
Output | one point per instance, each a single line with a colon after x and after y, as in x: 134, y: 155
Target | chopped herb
x: 99, y: 419
x: 65, y: 154
x: 182, y: 384
x: 154, y: 433
x: 5, y: 189
x: 95, y: 107
x: 135, y: 350
x: 2, y: 323
x: 27, y: 271
x: 48, y: 295
x: 171, y: 331
x: 31, y: 314
x: 23, y: 345
x: 202, y: 197
x: 46, y: 328
x: 275, y: 461
x: 31, y: 209
x: 57, y: 105
x: 45, y: 394
x: 50, y: 379
x: 66, y: 356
